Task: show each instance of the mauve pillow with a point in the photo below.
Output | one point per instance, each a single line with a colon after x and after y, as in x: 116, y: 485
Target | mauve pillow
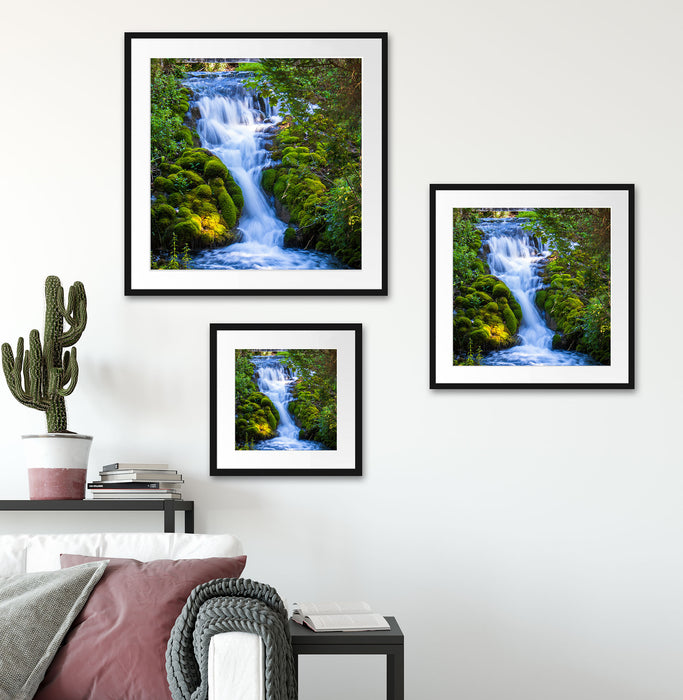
x: 116, y: 648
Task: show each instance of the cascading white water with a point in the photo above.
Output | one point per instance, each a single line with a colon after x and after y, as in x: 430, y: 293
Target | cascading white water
x: 276, y: 382
x: 236, y: 124
x: 516, y: 258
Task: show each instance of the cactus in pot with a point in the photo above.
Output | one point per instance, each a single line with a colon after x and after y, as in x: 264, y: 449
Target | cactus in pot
x: 43, y: 375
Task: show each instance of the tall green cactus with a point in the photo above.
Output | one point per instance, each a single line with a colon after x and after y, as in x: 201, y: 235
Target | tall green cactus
x: 49, y: 372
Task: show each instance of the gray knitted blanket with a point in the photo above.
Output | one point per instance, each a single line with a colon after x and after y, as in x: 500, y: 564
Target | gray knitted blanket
x: 224, y: 605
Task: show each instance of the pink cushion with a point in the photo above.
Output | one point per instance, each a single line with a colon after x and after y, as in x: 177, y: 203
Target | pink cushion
x: 115, y: 650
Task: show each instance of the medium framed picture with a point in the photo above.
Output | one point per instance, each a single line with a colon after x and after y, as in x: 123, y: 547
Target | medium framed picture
x: 286, y: 399
x: 244, y: 173
x: 531, y: 286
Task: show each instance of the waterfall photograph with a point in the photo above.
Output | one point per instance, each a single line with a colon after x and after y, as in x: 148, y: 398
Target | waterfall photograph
x: 286, y: 399
x: 531, y: 286
x: 255, y: 164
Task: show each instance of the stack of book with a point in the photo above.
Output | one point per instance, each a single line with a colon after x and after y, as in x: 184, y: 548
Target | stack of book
x: 129, y: 480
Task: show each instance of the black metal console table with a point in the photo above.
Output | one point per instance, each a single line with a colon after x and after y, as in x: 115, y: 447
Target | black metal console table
x: 386, y: 642
x: 169, y: 508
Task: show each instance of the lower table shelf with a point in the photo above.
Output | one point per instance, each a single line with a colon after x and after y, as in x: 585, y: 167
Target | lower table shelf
x: 169, y: 508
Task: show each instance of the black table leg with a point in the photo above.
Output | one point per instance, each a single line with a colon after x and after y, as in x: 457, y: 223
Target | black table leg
x: 395, y: 674
x: 169, y: 516
x: 189, y: 521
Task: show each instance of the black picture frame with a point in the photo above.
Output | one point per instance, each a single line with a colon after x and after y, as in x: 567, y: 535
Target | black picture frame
x: 445, y: 198
x: 371, y: 279
x: 226, y: 459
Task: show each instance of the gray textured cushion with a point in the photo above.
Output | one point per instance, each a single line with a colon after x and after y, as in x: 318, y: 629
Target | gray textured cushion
x: 36, y: 611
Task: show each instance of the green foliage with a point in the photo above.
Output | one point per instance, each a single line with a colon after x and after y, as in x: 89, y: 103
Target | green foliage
x: 577, y: 297
x: 315, y: 394
x: 466, y: 244
x: 42, y: 376
x: 169, y: 103
x: 247, y: 66
x: 318, y: 178
x: 342, y: 214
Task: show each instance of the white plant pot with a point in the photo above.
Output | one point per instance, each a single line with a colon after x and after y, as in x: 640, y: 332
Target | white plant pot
x: 57, y: 464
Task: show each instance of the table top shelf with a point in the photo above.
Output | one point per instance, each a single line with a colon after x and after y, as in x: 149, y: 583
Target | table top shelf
x: 104, y: 504
x: 168, y: 506
x: 302, y: 635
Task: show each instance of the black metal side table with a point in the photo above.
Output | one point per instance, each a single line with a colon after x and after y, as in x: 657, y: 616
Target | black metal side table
x: 386, y: 642
x: 169, y: 508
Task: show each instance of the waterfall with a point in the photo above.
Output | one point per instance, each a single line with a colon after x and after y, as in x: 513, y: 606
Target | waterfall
x: 517, y: 258
x: 276, y: 381
x: 237, y: 124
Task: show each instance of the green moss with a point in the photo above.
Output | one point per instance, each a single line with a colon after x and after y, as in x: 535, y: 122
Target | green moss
x: 163, y: 211
x: 290, y: 239
x: 486, y: 283
x: 479, y: 337
x: 169, y: 168
x: 516, y: 309
x: 500, y: 290
x: 510, y: 320
x: 162, y: 184
x: 203, y: 192
x: 235, y: 192
x: 479, y: 265
x: 268, y: 179
x: 194, y: 159
x: 462, y: 324
x: 205, y: 207
x: 185, y: 133
x: 215, y: 168
x: 228, y: 209
x: 186, y: 228
x: 482, y: 323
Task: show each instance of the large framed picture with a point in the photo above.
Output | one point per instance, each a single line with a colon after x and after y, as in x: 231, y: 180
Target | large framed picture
x: 256, y: 163
x: 531, y: 286
x: 286, y: 399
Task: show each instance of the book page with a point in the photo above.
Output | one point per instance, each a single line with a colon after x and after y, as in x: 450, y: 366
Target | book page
x: 331, y: 608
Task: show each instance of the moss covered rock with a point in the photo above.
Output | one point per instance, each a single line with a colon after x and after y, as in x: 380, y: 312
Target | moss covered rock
x: 485, y: 317
x: 199, y: 209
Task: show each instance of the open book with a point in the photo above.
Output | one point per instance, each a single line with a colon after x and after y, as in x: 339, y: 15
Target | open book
x: 338, y: 617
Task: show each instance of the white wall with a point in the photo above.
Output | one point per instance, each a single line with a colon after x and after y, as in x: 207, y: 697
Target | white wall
x: 528, y: 542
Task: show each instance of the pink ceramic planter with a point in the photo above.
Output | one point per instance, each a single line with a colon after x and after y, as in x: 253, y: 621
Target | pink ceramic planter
x: 55, y: 484
x: 57, y: 465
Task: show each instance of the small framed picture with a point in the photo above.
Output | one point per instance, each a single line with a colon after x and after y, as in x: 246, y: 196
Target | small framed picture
x: 285, y: 399
x: 243, y: 164
x: 531, y: 286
